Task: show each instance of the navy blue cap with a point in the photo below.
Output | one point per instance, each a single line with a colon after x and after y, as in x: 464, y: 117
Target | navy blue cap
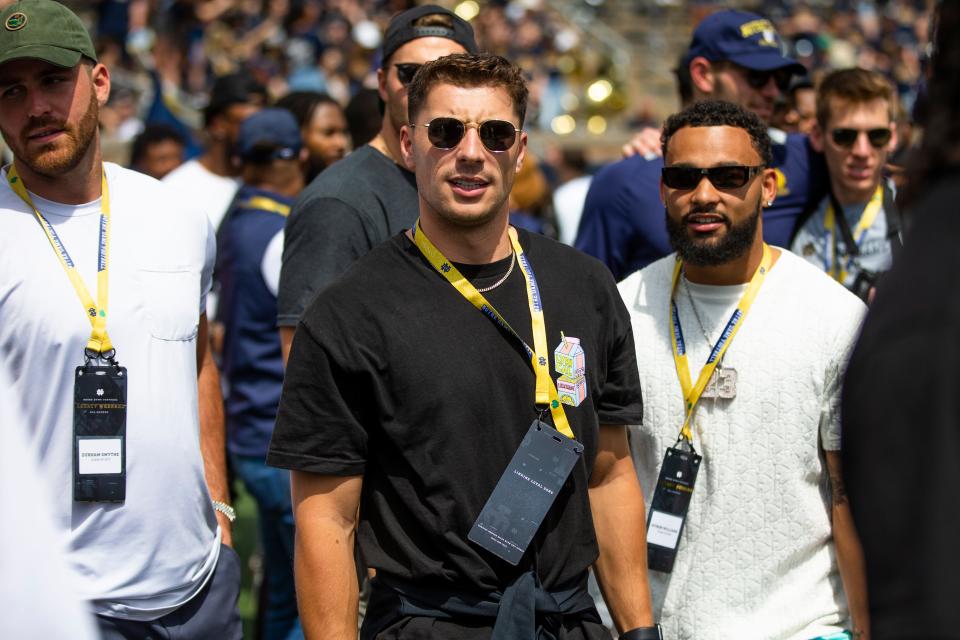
x: 269, y: 134
x: 741, y: 37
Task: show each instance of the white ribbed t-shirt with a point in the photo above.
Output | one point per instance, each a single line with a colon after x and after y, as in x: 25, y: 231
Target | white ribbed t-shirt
x: 755, y: 559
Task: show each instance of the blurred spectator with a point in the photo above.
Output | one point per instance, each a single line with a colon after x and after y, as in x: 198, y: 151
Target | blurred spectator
x: 855, y: 231
x: 880, y: 36
x: 569, y: 196
x: 797, y: 112
x: 211, y: 178
x: 530, y: 198
x: 157, y: 151
x: 370, y: 195
x: 364, y: 114
x: 250, y: 243
x: 322, y: 126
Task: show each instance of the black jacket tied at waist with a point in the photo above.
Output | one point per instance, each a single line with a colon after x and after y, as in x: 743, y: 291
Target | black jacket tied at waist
x: 524, y: 610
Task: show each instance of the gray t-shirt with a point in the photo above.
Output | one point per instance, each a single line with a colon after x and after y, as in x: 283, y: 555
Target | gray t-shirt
x: 814, y: 243
x: 345, y: 212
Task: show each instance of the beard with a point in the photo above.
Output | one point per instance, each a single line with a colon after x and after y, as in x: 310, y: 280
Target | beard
x: 61, y: 156
x: 705, y: 253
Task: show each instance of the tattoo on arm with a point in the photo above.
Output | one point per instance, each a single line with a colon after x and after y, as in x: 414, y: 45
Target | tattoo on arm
x: 838, y: 492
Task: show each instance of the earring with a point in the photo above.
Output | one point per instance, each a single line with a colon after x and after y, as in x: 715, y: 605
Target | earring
x: 769, y: 203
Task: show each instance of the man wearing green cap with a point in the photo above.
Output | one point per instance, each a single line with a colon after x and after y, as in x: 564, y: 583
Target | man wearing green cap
x: 120, y: 396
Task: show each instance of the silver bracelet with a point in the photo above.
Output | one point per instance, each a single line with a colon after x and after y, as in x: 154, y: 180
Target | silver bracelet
x: 226, y: 510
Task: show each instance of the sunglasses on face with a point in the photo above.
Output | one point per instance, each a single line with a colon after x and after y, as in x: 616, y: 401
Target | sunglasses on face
x: 729, y: 177
x: 759, y: 79
x: 878, y: 137
x: 406, y: 71
x: 446, y: 133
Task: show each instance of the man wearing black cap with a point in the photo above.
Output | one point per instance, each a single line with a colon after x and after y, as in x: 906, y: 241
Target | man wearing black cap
x: 734, y: 56
x: 120, y: 395
x: 364, y: 199
x: 250, y: 241
x: 213, y: 177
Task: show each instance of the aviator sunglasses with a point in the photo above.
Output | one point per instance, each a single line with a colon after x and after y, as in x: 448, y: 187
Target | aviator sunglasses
x: 406, y: 71
x: 878, y: 137
x: 727, y: 177
x: 446, y: 133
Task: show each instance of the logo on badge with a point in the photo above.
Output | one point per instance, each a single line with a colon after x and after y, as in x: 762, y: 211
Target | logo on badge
x: 99, y: 392
x: 570, y: 362
x: 16, y: 21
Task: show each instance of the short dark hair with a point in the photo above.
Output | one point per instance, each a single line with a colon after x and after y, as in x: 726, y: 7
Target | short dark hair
x: 718, y: 113
x: 302, y: 104
x: 468, y: 70
x: 854, y: 86
x: 153, y: 134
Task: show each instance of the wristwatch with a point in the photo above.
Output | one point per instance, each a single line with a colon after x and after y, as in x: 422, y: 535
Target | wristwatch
x: 226, y: 510
x: 643, y: 633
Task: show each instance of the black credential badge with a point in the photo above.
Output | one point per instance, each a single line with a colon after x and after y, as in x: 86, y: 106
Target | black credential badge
x: 99, y: 433
x: 525, y: 492
x: 668, y: 509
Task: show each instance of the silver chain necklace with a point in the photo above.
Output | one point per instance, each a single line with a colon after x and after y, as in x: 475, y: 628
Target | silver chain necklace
x: 696, y: 314
x: 513, y: 261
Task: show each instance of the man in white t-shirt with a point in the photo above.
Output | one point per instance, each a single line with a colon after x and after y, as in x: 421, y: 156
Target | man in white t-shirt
x: 120, y: 396
x: 856, y: 132
x: 740, y: 347
x: 213, y: 178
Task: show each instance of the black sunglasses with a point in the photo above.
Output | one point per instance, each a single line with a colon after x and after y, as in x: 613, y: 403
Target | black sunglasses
x: 759, y: 79
x: 406, y: 71
x: 446, y: 133
x: 878, y: 137
x: 727, y: 177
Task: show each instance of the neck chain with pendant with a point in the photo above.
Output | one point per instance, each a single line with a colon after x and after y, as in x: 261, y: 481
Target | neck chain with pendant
x: 696, y: 314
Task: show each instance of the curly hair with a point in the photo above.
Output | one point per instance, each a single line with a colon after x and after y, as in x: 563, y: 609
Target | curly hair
x: 468, y: 70
x: 717, y: 113
x: 939, y: 152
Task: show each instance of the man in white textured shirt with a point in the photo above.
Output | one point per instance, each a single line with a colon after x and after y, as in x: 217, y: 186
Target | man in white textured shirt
x: 741, y: 348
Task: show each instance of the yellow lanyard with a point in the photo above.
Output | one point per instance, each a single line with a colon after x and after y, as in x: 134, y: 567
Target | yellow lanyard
x: 546, y: 393
x: 96, y: 312
x: 867, y: 218
x: 266, y: 204
x: 691, y: 392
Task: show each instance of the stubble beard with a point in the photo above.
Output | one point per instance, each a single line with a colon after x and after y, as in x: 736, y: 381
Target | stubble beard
x: 61, y: 157
x: 734, y: 244
x: 454, y: 217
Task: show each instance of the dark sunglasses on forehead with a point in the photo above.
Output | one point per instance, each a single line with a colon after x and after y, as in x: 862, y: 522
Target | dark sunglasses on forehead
x: 446, y: 133
x: 728, y: 177
x: 406, y: 71
x: 879, y: 137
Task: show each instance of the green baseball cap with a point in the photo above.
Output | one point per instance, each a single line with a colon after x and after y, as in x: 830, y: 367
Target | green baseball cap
x: 43, y: 30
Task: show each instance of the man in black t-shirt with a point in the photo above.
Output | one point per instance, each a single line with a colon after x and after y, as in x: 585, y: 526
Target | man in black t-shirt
x: 368, y: 196
x: 412, y: 383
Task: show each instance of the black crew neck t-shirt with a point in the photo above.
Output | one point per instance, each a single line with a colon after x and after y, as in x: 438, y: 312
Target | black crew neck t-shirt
x: 395, y: 376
